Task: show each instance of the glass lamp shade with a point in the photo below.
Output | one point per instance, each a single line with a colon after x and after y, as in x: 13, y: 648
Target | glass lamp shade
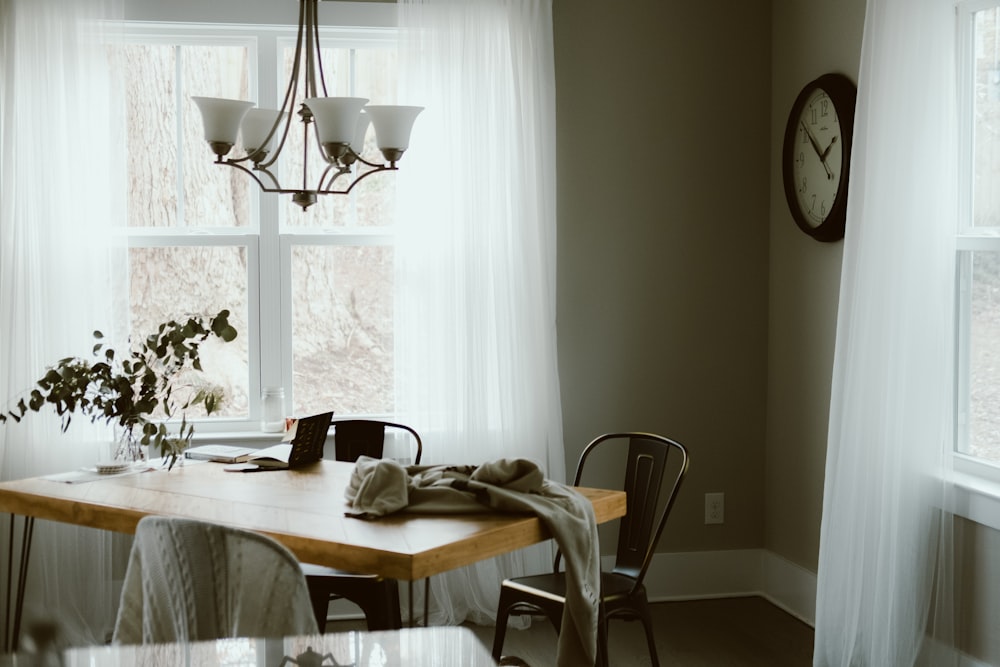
x: 221, y: 118
x: 336, y: 117
x: 392, y: 125
x: 256, y: 125
x: 358, y: 143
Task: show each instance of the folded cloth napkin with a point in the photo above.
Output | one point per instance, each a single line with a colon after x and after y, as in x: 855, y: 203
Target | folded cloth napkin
x: 381, y: 486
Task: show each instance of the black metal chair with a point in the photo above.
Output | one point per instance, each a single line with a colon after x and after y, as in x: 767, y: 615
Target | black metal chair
x: 377, y: 596
x: 623, y: 594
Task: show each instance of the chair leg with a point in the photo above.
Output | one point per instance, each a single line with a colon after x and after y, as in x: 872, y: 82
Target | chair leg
x: 508, y: 604
x: 647, y: 625
x: 319, y: 596
x: 501, y: 628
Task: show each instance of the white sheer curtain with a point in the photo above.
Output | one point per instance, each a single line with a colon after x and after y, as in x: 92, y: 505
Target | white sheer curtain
x: 884, y: 543
x: 476, y: 341
x: 60, y: 187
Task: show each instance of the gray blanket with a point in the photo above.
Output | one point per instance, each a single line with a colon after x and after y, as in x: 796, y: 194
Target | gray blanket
x: 382, y: 486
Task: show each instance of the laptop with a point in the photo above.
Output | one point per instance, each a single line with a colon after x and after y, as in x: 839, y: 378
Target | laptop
x: 307, y: 437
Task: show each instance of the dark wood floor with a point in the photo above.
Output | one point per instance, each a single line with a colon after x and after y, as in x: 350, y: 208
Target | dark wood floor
x: 736, y: 632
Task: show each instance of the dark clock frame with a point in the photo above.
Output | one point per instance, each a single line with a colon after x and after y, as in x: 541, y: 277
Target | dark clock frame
x: 843, y: 94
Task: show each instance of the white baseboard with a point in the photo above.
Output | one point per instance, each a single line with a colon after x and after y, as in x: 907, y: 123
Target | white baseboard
x: 692, y: 575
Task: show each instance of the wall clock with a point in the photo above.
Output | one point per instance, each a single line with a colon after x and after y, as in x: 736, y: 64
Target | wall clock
x: 816, y: 156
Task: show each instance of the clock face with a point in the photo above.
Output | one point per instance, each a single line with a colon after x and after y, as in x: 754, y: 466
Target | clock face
x: 817, y: 157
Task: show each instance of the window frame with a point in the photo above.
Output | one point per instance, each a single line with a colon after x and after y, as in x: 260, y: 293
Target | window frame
x: 268, y: 240
x: 975, y: 480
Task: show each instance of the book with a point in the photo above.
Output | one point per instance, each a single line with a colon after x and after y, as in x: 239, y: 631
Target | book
x: 220, y: 453
x: 307, y: 437
x: 275, y: 456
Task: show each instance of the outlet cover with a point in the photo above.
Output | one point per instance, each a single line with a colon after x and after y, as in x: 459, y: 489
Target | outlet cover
x: 715, y: 508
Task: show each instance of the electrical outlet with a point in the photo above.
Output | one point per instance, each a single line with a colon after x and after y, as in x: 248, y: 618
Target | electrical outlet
x: 715, y: 508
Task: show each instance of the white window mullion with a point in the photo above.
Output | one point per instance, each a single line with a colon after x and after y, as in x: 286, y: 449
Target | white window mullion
x: 285, y: 318
x: 270, y: 267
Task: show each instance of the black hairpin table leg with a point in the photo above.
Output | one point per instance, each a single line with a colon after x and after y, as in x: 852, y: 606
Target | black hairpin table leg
x: 12, y: 627
x: 427, y: 601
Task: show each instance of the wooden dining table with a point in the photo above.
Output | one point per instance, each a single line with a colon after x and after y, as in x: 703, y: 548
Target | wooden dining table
x: 304, y: 509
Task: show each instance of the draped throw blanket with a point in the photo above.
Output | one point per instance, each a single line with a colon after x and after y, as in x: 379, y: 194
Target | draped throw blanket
x: 381, y: 486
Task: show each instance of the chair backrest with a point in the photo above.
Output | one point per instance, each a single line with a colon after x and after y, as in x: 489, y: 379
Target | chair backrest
x: 366, y: 437
x: 645, y: 476
x: 191, y: 580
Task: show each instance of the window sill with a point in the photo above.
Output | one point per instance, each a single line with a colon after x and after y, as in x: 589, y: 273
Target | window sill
x: 976, y: 488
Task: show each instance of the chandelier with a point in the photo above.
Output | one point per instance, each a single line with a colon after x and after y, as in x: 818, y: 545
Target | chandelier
x: 338, y: 126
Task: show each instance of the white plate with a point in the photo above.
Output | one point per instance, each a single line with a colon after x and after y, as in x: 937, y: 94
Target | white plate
x: 112, y: 467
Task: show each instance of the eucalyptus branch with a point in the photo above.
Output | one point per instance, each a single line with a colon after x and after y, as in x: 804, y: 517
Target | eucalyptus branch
x: 126, y: 389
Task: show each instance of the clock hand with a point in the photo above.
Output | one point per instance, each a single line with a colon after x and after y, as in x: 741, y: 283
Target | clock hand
x: 827, y: 151
x: 815, y: 144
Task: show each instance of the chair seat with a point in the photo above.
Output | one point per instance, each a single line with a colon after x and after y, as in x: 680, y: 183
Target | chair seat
x: 614, y: 586
x: 312, y: 570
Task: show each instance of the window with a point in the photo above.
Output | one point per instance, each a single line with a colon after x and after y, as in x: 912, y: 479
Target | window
x: 978, y: 242
x: 311, y: 292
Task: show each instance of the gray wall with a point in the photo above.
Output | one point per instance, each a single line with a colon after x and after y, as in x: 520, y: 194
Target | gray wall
x: 663, y: 158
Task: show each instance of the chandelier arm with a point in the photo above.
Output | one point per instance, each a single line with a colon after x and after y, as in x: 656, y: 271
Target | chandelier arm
x: 357, y: 156
x: 291, y: 92
x: 305, y: 151
x: 340, y: 170
x: 251, y: 174
x: 277, y: 186
x: 357, y: 180
x: 311, y: 32
x: 318, y: 50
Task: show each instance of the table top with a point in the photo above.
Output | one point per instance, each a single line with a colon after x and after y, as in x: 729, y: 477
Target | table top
x: 302, y: 508
x: 439, y: 646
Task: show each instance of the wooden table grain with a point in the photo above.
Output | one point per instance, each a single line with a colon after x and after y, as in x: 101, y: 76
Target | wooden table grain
x: 303, y: 509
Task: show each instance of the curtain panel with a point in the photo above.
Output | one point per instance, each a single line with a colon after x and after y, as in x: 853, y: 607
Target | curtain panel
x: 60, y: 193
x: 885, y: 542
x: 476, y: 342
